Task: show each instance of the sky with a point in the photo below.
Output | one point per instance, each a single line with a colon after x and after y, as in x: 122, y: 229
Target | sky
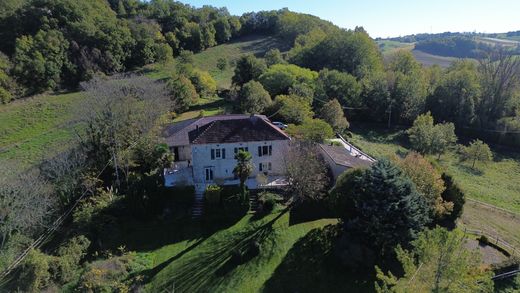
x: 395, y: 18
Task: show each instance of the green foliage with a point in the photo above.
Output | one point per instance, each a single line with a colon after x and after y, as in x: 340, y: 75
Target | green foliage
x: 315, y: 130
x: 387, y: 209
x: 222, y: 64
x: 453, y: 193
x: 248, y: 67
x: 222, y: 30
x: 35, y: 271
x: 7, y: 84
x: 212, y: 194
x: 292, y: 109
x: 428, y: 182
x: 428, y: 138
x: 332, y: 84
x: 203, y: 82
x: 280, y: 77
x: 456, y: 97
x: 303, y: 90
x: 69, y: 257
x: 477, y: 151
x: 110, y: 275
x: 163, y: 53
x: 39, y: 60
x: 182, y: 92
x: 408, y: 85
x: 273, y: 57
x: 353, y: 52
x: 332, y: 113
x: 438, y: 262
x: 254, y: 98
x: 243, y: 168
x: 268, y: 200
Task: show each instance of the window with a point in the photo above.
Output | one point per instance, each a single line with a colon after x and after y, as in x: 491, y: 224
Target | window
x: 266, y: 150
x: 208, y: 173
x: 264, y: 167
x: 218, y: 154
x: 246, y: 149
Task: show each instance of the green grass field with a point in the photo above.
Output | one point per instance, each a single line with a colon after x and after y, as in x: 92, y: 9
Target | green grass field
x: 37, y: 127
x: 388, y: 47
x: 207, y: 60
x: 292, y: 259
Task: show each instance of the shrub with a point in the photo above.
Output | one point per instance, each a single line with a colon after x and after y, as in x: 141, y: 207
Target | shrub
x: 69, y: 257
x: 483, y: 239
x: 35, y: 271
x: 107, y: 275
x: 212, y: 194
x: 268, y: 200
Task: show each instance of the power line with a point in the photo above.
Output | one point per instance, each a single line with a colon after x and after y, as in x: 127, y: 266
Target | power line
x: 55, y: 225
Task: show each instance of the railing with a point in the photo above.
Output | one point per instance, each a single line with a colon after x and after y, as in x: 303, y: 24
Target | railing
x: 495, y: 240
x: 352, y: 147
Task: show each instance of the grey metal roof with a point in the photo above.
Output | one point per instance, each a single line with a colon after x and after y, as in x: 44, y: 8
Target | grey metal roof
x: 342, y: 156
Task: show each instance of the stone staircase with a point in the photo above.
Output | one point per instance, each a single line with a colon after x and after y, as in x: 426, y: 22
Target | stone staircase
x: 198, y: 205
x: 253, y: 202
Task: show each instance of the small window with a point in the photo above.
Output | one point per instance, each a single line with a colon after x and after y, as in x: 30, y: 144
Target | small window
x: 260, y: 167
x: 269, y: 166
x: 217, y: 153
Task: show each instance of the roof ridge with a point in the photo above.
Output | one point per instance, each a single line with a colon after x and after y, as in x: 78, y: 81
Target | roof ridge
x: 274, y: 127
x: 205, y: 130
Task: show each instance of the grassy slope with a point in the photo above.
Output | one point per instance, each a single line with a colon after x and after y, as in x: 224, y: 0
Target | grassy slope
x: 495, y: 183
x: 35, y: 128
x: 42, y: 126
x: 207, y: 60
x: 287, y: 258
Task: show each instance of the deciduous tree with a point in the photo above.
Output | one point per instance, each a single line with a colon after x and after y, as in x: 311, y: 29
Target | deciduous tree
x: 248, y: 67
x: 332, y: 113
x: 306, y: 172
x: 438, y: 262
x: 477, y: 151
x: 254, y: 98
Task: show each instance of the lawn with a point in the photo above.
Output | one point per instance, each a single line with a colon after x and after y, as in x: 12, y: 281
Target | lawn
x: 35, y: 128
x: 207, y: 59
x: 495, y: 183
x: 292, y: 258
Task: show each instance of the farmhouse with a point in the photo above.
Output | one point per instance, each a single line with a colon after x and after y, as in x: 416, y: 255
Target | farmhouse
x: 204, y: 150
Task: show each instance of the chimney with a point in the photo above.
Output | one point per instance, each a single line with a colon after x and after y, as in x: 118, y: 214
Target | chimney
x: 253, y: 118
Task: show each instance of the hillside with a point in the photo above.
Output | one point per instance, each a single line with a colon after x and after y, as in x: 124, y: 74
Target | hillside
x: 42, y: 126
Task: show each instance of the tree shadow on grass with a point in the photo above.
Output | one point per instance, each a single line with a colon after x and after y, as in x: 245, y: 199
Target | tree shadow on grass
x: 311, y: 266
x: 471, y: 170
x: 206, y: 270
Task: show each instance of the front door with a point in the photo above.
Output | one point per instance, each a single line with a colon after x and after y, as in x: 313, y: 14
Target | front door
x: 176, y: 154
x: 208, y: 174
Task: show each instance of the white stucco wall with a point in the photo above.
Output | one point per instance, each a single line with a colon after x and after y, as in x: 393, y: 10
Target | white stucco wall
x: 335, y: 168
x: 223, y: 168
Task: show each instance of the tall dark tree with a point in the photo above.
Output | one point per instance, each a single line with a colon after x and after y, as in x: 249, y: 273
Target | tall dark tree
x: 248, y: 67
x: 386, y: 208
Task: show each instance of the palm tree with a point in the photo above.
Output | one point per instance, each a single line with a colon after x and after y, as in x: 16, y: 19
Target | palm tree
x: 243, y: 169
